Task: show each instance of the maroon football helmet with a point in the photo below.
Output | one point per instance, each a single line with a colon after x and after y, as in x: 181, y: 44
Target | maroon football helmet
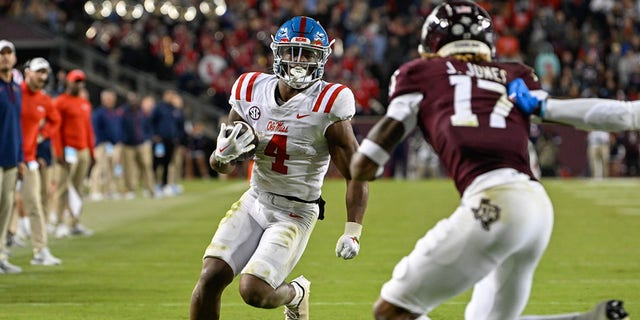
x: 458, y: 26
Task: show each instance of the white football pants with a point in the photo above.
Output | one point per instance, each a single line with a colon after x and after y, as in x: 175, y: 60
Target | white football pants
x: 493, y: 242
x: 264, y: 235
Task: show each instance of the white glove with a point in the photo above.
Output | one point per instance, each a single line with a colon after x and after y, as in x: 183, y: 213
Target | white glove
x: 230, y: 147
x: 349, y: 243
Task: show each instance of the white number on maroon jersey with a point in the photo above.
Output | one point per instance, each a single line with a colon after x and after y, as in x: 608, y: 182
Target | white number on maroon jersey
x: 463, y: 116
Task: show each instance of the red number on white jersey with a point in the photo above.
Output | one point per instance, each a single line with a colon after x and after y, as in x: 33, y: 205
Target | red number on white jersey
x: 277, y: 148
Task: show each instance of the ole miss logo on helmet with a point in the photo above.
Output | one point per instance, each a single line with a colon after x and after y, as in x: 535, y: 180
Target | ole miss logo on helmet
x: 301, y: 39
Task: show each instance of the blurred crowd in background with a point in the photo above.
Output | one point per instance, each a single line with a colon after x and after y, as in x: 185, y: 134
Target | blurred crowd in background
x: 578, y: 48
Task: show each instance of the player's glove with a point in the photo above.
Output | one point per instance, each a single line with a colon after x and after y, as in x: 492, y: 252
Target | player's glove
x: 349, y: 243
x: 230, y: 146
x: 519, y: 94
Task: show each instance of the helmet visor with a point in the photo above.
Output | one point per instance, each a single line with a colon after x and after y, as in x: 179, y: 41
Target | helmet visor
x: 299, y: 54
x: 299, y: 64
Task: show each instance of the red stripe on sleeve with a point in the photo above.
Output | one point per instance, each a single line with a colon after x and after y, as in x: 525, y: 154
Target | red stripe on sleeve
x: 239, y: 87
x: 333, y: 97
x: 316, y: 106
x: 252, y: 80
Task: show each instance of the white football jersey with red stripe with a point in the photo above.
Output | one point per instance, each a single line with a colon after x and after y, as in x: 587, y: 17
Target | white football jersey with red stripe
x: 292, y: 156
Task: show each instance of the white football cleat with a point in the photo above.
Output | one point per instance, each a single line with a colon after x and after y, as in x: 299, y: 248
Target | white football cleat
x: 8, y: 268
x: 44, y: 258
x: 301, y: 310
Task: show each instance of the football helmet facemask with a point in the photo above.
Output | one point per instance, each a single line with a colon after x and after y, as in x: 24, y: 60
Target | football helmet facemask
x: 457, y: 27
x: 300, y: 48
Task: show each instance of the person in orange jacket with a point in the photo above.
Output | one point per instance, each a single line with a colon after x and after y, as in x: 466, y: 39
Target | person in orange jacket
x: 39, y: 121
x: 73, y: 150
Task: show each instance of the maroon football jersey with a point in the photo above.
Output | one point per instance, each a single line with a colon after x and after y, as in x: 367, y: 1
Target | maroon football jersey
x: 463, y: 117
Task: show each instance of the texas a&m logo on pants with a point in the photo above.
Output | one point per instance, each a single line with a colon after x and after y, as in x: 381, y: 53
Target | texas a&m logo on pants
x: 487, y: 213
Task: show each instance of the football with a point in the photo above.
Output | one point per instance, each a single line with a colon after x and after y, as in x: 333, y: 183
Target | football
x: 245, y: 127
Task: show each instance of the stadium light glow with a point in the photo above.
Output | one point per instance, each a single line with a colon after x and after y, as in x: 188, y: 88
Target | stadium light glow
x: 182, y: 10
x: 205, y: 8
x: 91, y: 33
x: 220, y: 11
x: 137, y: 11
x: 190, y: 14
x: 173, y: 13
x: 166, y: 7
x: 150, y: 6
x: 221, y: 7
x: 90, y: 8
x: 121, y: 8
x: 107, y: 8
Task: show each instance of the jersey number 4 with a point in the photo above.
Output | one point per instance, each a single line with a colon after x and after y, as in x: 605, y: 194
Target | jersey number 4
x: 277, y: 148
x: 463, y: 115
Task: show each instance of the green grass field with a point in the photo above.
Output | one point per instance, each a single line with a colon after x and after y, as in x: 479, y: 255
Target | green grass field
x: 145, y: 257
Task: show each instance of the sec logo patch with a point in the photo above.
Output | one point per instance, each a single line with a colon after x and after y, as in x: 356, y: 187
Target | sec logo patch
x: 254, y: 113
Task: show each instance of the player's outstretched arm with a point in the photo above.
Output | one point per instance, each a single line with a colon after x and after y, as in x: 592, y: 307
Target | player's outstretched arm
x: 594, y: 113
x: 582, y: 113
x: 342, y: 146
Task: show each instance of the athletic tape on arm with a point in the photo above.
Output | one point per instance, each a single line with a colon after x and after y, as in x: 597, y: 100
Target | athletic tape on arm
x: 374, y: 152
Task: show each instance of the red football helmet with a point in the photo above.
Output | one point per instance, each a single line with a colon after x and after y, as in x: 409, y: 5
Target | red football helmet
x: 458, y: 26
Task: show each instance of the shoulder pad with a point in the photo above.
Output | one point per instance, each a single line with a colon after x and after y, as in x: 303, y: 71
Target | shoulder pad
x: 337, y: 100
x: 243, y: 87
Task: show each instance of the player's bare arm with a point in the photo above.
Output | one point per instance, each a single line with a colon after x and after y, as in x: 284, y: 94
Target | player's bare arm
x: 378, y: 145
x: 342, y: 146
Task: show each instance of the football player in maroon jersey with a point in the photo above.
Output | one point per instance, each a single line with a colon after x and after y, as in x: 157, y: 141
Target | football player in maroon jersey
x: 457, y: 96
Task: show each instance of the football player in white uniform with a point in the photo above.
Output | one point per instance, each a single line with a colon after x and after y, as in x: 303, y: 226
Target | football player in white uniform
x: 301, y: 122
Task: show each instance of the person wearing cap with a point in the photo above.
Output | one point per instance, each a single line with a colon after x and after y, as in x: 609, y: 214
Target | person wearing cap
x: 40, y: 120
x: 73, y: 150
x: 12, y: 156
